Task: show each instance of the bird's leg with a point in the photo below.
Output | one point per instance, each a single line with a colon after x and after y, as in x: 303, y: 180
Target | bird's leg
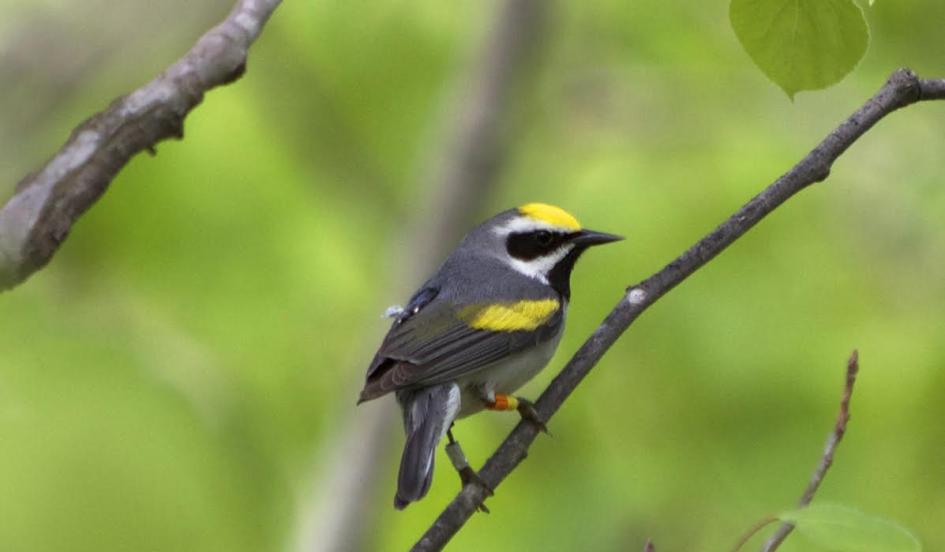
x: 525, y: 408
x: 466, y: 474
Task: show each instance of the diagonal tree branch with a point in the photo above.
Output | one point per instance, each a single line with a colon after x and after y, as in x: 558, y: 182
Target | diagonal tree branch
x: 826, y: 460
x: 903, y: 88
x: 49, y: 201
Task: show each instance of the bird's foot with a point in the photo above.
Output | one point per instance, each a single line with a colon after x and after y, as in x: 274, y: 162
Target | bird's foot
x: 526, y: 409
x: 467, y: 475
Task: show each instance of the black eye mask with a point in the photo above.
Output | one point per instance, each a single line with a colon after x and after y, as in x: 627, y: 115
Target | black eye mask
x: 536, y: 243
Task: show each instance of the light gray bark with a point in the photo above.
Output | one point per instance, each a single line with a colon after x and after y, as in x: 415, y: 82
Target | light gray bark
x: 46, y: 203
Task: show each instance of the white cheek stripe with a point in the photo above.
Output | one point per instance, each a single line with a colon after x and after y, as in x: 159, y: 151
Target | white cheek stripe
x: 539, y: 267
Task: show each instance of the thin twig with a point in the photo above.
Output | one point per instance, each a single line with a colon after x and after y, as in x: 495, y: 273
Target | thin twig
x: 648, y: 547
x: 903, y: 88
x: 753, y: 530
x: 49, y: 201
x: 826, y: 460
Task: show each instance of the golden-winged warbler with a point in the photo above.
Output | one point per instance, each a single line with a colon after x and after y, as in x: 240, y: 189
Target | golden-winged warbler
x: 484, y: 324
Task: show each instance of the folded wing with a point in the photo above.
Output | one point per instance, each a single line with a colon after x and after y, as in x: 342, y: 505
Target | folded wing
x: 436, y: 342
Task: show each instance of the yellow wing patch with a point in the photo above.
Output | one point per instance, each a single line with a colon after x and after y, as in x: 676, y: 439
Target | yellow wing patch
x: 550, y: 214
x: 511, y: 316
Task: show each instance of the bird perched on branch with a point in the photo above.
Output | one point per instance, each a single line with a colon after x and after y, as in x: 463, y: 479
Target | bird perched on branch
x: 488, y: 320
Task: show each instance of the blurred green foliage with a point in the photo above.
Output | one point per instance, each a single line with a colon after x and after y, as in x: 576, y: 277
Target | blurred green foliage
x: 178, y: 375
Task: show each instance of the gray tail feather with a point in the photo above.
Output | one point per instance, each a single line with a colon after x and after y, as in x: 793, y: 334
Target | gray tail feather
x: 427, y: 416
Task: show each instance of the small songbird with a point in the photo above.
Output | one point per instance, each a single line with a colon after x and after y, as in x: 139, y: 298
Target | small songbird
x: 484, y: 324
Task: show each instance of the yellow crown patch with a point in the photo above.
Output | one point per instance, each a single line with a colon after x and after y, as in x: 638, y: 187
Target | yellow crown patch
x: 550, y: 214
x: 510, y: 317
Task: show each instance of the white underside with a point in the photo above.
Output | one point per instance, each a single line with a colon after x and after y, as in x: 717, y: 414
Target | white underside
x: 505, y: 376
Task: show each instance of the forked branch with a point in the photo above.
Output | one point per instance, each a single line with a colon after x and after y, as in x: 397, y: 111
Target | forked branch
x: 903, y: 88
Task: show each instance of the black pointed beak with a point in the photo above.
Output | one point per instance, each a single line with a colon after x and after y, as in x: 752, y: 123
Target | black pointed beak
x: 588, y: 238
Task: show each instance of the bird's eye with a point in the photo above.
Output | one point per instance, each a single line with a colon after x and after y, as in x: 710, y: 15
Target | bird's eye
x: 543, y: 237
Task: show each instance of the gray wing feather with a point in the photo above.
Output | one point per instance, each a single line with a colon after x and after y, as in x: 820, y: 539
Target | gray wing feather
x: 434, y: 346
x: 429, y: 344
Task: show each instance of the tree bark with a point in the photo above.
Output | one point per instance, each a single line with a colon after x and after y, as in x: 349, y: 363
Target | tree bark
x: 49, y: 201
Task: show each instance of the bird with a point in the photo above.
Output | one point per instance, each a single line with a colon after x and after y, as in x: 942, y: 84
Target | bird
x: 486, y: 322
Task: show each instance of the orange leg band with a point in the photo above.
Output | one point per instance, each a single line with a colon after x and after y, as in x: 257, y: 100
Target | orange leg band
x: 503, y: 402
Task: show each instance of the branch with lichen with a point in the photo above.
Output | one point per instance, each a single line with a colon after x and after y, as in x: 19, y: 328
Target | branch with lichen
x: 901, y: 89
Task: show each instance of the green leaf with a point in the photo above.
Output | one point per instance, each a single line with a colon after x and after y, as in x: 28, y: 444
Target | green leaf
x: 801, y: 44
x: 843, y: 529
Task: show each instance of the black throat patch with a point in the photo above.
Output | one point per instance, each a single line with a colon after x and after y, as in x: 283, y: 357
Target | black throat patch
x: 560, y: 275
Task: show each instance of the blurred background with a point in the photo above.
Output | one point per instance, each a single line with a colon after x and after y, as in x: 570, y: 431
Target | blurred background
x: 183, y: 375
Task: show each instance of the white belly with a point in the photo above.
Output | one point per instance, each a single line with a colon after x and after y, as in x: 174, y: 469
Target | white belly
x: 505, y: 376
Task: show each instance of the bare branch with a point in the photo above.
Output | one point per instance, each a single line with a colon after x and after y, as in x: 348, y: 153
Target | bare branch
x: 753, y: 530
x: 903, y: 88
x: 933, y: 89
x: 826, y: 460
x: 48, y: 202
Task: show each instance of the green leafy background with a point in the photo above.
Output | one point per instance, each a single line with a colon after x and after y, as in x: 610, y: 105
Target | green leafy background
x: 177, y: 378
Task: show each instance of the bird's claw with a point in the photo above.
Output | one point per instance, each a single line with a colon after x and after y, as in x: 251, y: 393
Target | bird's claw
x: 526, y: 410
x: 469, y: 477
